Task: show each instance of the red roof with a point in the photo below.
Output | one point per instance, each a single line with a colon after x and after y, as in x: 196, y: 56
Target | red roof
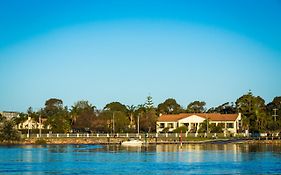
x: 210, y: 116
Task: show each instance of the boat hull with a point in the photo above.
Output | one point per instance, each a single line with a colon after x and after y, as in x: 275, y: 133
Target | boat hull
x: 132, y: 143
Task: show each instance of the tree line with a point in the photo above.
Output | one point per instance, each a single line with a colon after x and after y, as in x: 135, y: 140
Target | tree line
x: 257, y: 116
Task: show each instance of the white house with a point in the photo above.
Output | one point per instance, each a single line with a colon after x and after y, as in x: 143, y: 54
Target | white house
x: 230, y: 122
x: 31, y: 124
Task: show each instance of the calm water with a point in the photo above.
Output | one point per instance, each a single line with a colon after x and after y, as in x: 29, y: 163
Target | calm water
x: 160, y: 159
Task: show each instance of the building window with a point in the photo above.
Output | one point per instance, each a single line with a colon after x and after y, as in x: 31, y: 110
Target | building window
x: 230, y: 125
x: 162, y: 125
x: 170, y: 125
x: 240, y: 124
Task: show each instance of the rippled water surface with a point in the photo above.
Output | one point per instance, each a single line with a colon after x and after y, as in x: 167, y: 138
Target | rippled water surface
x: 156, y: 159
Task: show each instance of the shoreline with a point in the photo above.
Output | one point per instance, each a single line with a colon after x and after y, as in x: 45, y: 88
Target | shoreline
x: 115, y: 141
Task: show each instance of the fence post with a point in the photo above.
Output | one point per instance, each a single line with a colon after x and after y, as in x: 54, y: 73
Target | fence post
x: 57, y: 135
x: 166, y: 134
x: 98, y: 135
x: 108, y: 138
x: 48, y: 135
x: 67, y: 135
x: 37, y: 135
x: 127, y: 135
x: 77, y: 135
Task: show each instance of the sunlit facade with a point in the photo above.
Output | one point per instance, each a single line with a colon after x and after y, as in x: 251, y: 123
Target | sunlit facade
x: 229, y: 122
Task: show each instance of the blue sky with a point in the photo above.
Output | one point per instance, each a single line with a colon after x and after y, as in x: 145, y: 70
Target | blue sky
x: 105, y: 51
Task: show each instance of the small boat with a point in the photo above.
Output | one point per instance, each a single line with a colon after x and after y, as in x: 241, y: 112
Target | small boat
x: 132, y: 142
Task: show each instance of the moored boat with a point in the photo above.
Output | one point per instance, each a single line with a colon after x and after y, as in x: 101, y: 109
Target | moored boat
x: 132, y: 142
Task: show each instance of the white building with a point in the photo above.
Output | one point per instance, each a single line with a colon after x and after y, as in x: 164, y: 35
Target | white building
x: 229, y: 122
x: 32, y: 124
x: 9, y: 114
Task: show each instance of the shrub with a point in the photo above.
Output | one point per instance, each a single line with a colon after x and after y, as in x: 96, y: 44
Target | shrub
x: 40, y: 142
x: 215, y: 129
x: 181, y: 129
x: 165, y: 130
x: 8, y: 133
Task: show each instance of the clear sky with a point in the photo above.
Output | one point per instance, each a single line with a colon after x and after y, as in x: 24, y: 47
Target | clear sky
x: 124, y: 50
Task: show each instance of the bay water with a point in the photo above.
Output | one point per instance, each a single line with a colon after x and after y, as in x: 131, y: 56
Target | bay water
x: 151, y: 159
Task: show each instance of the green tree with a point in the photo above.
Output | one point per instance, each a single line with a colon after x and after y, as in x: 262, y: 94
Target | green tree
x: 34, y: 115
x: 169, y: 106
x: 196, y: 107
x: 148, y: 118
x: 22, y: 117
x: 118, y: 113
x: 59, y: 121
x: 83, y: 115
x: 52, y: 106
x: 57, y: 116
x: 204, y: 127
x: 180, y: 129
x: 215, y: 128
x: 131, y: 114
x: 226, y: 108
x: 116, y: 106
x: 104, y: 122
x: 2, y: 118
x: 7, y: 131
x: 149, y: 102
x: 274, y: 114
x: 254, y: 112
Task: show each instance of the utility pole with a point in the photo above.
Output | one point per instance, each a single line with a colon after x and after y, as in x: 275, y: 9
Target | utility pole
x: 275, y: 114
x: 113, y: 126
x: 40, y: 125
x: 207, y: 120
x: 28, y: 126
x: 138, y: 124
x: 207, y: 126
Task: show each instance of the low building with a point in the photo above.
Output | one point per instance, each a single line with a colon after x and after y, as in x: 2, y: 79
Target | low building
x: 9, y: 114
x: 32, y: 124
x: 229, y: 122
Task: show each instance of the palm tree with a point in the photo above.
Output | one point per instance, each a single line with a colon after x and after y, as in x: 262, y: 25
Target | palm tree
x: 131, y: 112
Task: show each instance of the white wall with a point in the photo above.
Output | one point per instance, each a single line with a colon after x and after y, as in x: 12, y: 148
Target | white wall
x: 192, y: 119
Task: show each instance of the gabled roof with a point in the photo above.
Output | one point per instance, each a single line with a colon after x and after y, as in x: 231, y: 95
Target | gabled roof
x: 210, y: 116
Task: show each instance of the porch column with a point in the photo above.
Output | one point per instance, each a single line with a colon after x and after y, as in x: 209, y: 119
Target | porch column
x: 197, y: 127
x: 235, y: 126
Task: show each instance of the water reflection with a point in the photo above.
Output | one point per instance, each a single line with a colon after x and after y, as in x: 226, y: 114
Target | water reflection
x: 153, y: 159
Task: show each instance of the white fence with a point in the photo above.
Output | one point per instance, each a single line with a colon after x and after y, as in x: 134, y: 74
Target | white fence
x: 130, y: 135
